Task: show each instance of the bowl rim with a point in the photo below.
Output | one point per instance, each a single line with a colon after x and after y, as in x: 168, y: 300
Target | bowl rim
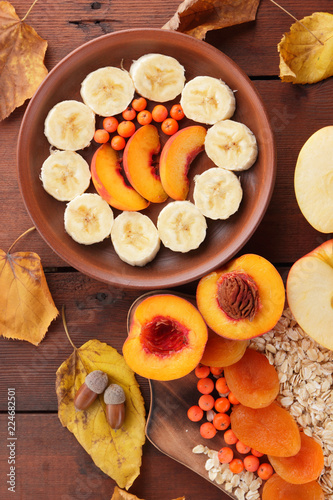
x: 147, y: 282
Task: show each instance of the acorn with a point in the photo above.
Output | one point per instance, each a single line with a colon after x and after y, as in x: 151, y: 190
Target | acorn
x: 114, y: 398
x: 94, y: 384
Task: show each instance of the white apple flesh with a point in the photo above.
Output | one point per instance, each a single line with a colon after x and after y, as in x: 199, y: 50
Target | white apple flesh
x: 310, y: 293
x: 313, y: 180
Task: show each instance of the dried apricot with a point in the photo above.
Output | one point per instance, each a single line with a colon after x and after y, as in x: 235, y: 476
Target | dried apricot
x: 304, y: 467
x: 277, y: 488
x: 270, y: 430
x: 253, y: 380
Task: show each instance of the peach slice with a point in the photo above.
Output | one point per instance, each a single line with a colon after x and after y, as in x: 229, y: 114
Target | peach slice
x: 310, y: 293
x: 304, y: 467
x: 222, y: 352
x: 106, y: 174
x: 138, y: 163
x: 277, y: 488
x: 176, y: 157
x: 166, y: 337
x: 243, y: 299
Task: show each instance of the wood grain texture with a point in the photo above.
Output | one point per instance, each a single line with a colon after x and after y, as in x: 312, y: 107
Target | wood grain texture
x: 51, y: 465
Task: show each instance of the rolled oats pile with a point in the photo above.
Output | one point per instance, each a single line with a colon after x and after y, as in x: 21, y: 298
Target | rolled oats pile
x: 305, y: 372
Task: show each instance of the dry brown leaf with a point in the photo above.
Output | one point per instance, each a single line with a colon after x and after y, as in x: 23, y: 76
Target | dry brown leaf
x: 196, y: 17
x: 119, y: 494
x: 306, y: 52
x: 117, y: 453
x: 22, y: 67
x: 26, y: 304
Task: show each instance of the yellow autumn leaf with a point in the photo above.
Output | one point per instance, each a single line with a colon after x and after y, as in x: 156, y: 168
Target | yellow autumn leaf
x: 196, y: 17
x: 119, y: 494
x: 22, y: 53
x: 26, y: 304
x: 118, y: 453
x: 306, y: 52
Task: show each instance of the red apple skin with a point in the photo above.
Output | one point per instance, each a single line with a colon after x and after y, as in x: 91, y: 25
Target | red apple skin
x: 106, y: 174
x: 310, y: 293
x: 177, y: 155
x: 138, y: 163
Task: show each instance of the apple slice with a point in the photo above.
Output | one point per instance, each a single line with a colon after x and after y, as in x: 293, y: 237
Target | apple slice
x: 310, y: 293
x: 177, y: 155
x: 313, y: 180
x: 106, y: 174
x: 138, y: 163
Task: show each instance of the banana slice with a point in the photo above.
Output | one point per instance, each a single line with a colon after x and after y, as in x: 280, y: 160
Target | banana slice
x: 107, y: 91
x: 158, y: 77
x: 70, y: 125
x: 207, y: 100
x: 65, y: 174
x: 135, y: 238
x: 181, y: 226
x: 217, y: 193
x: 231, y: 145
x: 88, y: 219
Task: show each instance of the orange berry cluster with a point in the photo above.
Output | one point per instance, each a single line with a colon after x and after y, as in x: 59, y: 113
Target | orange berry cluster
x: 125, y: 127
x: 221, y: 422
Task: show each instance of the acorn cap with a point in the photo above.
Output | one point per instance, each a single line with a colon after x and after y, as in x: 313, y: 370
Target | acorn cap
x: 96, y: 381
x: 114, y: 395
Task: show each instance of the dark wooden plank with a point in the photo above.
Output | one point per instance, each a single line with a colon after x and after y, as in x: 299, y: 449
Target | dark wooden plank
x: 50, y: 464
x: 252, y: 45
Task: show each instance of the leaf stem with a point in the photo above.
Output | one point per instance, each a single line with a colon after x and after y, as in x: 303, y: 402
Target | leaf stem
x: 21, y: 236
x: 65, y: 327
x: 289, y: 14
x: 29, y: 10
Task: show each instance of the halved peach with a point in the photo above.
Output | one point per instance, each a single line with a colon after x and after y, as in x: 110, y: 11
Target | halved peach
x: 243, y: 299
x: 177, y: 155
x: 106, y: 174
x: 138, y: 163
x: 166, y: 338
x: 222, y: 352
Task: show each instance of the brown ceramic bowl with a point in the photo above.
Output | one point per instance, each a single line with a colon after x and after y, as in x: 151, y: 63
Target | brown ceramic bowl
x: 224, y: 238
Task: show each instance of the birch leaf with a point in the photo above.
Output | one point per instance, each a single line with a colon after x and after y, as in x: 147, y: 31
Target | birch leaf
x: 22, y: 53
x: 306, y: 52
x: 26, y: 304
x: 117, y: 453
x: 196, y: 17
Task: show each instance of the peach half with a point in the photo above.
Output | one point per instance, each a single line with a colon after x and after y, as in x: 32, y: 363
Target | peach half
x: 166, y: 337
x: 310, y: 293
x: 243, y: 299
x: 106, y: 174
x: 177, y: 155
x: 138, y: 163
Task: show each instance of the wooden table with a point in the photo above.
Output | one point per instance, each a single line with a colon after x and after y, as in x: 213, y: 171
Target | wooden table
x: 50, y: 463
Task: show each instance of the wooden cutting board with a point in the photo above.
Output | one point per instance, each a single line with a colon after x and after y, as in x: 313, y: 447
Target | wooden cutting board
x: 169, y: 429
